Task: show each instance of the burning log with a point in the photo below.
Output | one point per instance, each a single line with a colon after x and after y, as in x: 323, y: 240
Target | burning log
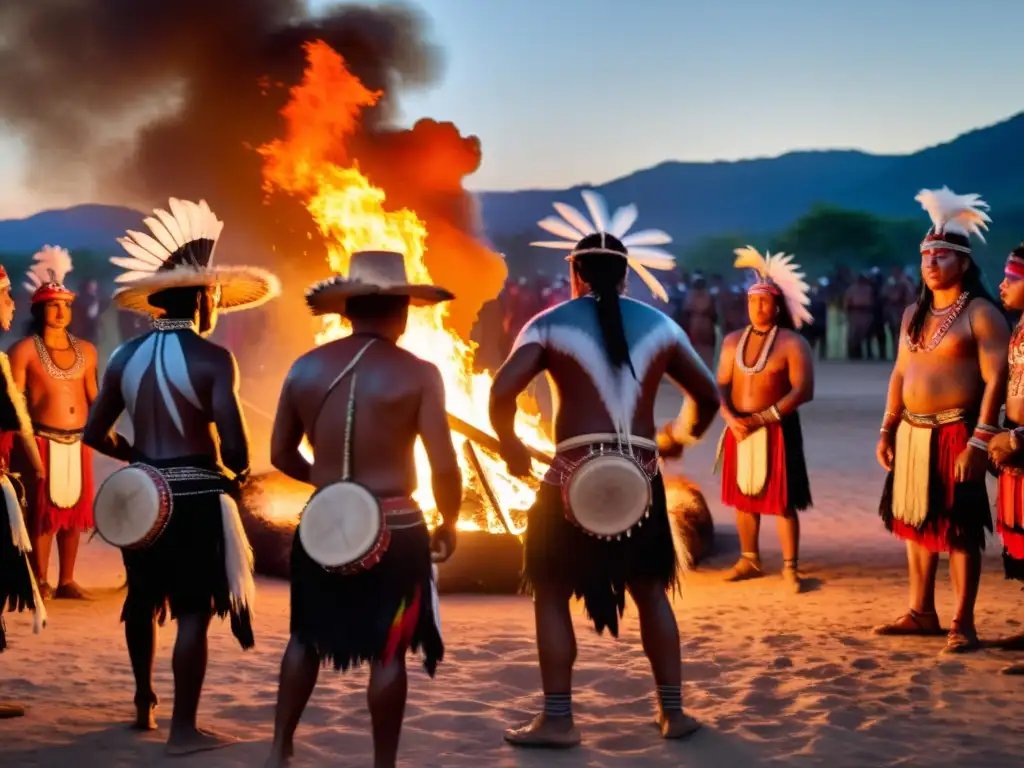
x: 687, y: 506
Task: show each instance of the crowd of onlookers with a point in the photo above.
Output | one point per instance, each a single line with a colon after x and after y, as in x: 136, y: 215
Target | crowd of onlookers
x: 863, y: 309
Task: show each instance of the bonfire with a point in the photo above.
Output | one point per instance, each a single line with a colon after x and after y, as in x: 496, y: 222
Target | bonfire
x: 311, y: 161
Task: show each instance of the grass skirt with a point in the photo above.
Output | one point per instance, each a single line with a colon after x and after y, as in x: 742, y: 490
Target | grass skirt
x: 560, y: 554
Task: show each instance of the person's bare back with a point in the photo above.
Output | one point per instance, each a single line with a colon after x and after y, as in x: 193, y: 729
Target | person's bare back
x: 393, y: 388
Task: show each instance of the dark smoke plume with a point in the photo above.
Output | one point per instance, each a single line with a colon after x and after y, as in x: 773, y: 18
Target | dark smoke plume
x: 146, y: 99
x: 141, y: 100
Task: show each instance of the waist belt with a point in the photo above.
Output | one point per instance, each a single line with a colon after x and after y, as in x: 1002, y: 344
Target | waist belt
x: 934, y: 420
x: 194, y: 481
x: 606, y: 438
x: 401, y: 512
x: 64, y: 436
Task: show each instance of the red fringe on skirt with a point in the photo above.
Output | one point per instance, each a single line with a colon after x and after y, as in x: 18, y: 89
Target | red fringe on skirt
x: 774, y: 497
x: 48, y: 516
x: 1010, y: 513
x: 952, y: 439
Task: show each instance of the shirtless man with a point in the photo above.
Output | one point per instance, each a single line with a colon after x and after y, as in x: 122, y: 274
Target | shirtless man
x: 57, y: 373
x: 379, y: 613
x: 1007, y: 448
x: 18, y: 588
x: 943, y: 403
x: 180, y: 391
x: 765, y: 374
x: 605, y: 356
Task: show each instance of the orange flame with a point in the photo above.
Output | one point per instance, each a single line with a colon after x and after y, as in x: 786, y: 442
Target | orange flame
x: 311, y: 161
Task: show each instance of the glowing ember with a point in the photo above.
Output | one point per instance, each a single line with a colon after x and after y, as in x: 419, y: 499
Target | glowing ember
x: 311, y: 162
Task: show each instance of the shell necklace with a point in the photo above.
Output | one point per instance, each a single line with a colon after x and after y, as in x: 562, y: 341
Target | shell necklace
x: 766, y: 349
x: 53, y: 370
x: 951, y: 313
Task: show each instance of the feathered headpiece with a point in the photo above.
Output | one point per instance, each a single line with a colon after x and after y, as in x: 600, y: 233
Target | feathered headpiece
x: 46, y: 275
x: 179, y: 254
x: 954, y: 219
x: 778, y: 276
x: 608, y: 234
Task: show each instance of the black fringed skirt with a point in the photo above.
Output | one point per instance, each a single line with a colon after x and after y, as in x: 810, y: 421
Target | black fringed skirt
x: 185, y: 569
x: 560, y: 554
x: 374, y: 615
x: 16, y: 593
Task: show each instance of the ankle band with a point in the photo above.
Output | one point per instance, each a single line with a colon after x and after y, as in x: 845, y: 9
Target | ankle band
x: 753, y: 557
x: 670, y: 698
x: 558, y: 704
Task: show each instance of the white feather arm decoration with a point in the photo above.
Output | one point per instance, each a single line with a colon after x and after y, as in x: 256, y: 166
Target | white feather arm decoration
x: 960, y: 214
x: 642, y: 251
x: 50, y: 264
x: 780, y: 270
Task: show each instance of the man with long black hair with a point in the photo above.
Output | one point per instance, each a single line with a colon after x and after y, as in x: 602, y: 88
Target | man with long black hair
x: 944, y: 397
x: 765, y: 373
x: 599, y: 526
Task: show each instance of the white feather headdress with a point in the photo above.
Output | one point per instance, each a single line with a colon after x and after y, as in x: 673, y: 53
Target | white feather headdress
x: 178, y: 253
x: 50, y: 266
x: 955, y: 214
x: 780, y: 271
x: 642, y: 253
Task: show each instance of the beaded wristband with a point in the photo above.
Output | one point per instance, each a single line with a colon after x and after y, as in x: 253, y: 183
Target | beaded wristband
x: 983, y: 434
x: 887, y: 424
x: 769, y: 415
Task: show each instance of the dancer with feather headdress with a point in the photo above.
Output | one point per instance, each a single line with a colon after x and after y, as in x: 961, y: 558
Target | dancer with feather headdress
x: 18, y: 587
x: 765, y: 373
x: 605, y: 356
x: 57, y: 373
x: 180, y: 391
x: 945, y: 393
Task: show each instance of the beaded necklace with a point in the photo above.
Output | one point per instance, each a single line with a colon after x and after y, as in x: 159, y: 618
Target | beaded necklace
x: 766, y: 349
x: 53, y: 370
x: 951, y: 313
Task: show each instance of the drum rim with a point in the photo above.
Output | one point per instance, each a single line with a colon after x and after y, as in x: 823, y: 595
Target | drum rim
x: 302, y: 517
x: 163, y: 490
x: 629, y: 461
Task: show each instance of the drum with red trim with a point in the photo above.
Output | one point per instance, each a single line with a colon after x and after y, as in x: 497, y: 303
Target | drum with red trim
x: 343, y: 529
x: 133, y: 507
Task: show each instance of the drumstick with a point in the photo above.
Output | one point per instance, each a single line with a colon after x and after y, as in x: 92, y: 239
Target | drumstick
x: 490, y: 442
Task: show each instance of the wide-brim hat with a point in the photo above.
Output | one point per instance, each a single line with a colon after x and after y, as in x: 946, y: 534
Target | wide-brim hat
x: 179, y: 254
x: 372, y: 273
x: 240, y: 287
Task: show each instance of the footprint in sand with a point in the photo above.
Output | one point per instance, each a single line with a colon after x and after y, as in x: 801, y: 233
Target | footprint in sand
x: 782, y: 662
x: 864, y: 664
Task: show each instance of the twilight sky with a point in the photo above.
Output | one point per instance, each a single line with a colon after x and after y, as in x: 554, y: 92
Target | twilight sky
x: 571, y: 91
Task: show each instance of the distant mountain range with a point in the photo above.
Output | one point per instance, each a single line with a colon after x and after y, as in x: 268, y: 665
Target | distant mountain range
x: 689, y: 200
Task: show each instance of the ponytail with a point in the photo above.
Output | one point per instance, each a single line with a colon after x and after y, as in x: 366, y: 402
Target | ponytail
x: 604, y: 273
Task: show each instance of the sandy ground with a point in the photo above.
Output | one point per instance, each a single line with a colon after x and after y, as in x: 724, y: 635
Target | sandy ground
x: 776, y: 678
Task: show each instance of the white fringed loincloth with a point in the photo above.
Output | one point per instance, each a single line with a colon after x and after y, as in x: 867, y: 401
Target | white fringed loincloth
x: 239, y: 562
x: 22, y: 542
x: 752, y: 462
x: 64, y: 472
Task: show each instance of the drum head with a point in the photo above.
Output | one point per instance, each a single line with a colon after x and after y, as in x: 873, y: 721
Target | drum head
x: 608, y: 495
x: 126, y: 507
x: 340, y: 524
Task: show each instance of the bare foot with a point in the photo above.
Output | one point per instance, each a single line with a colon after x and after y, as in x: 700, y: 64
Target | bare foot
x: 45, y: 590
x: 145, y: 718
x: 962, y: 638
x: 71, y: 591
x: 745, y: 568
x: 280, y: 756
x: 9, y: 710
x: 1011, y: 643
x: 791, y: 579
x: 187, y: 742
x: 1013, y: 669
x: 676, y: 725
x: 545, y: 732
